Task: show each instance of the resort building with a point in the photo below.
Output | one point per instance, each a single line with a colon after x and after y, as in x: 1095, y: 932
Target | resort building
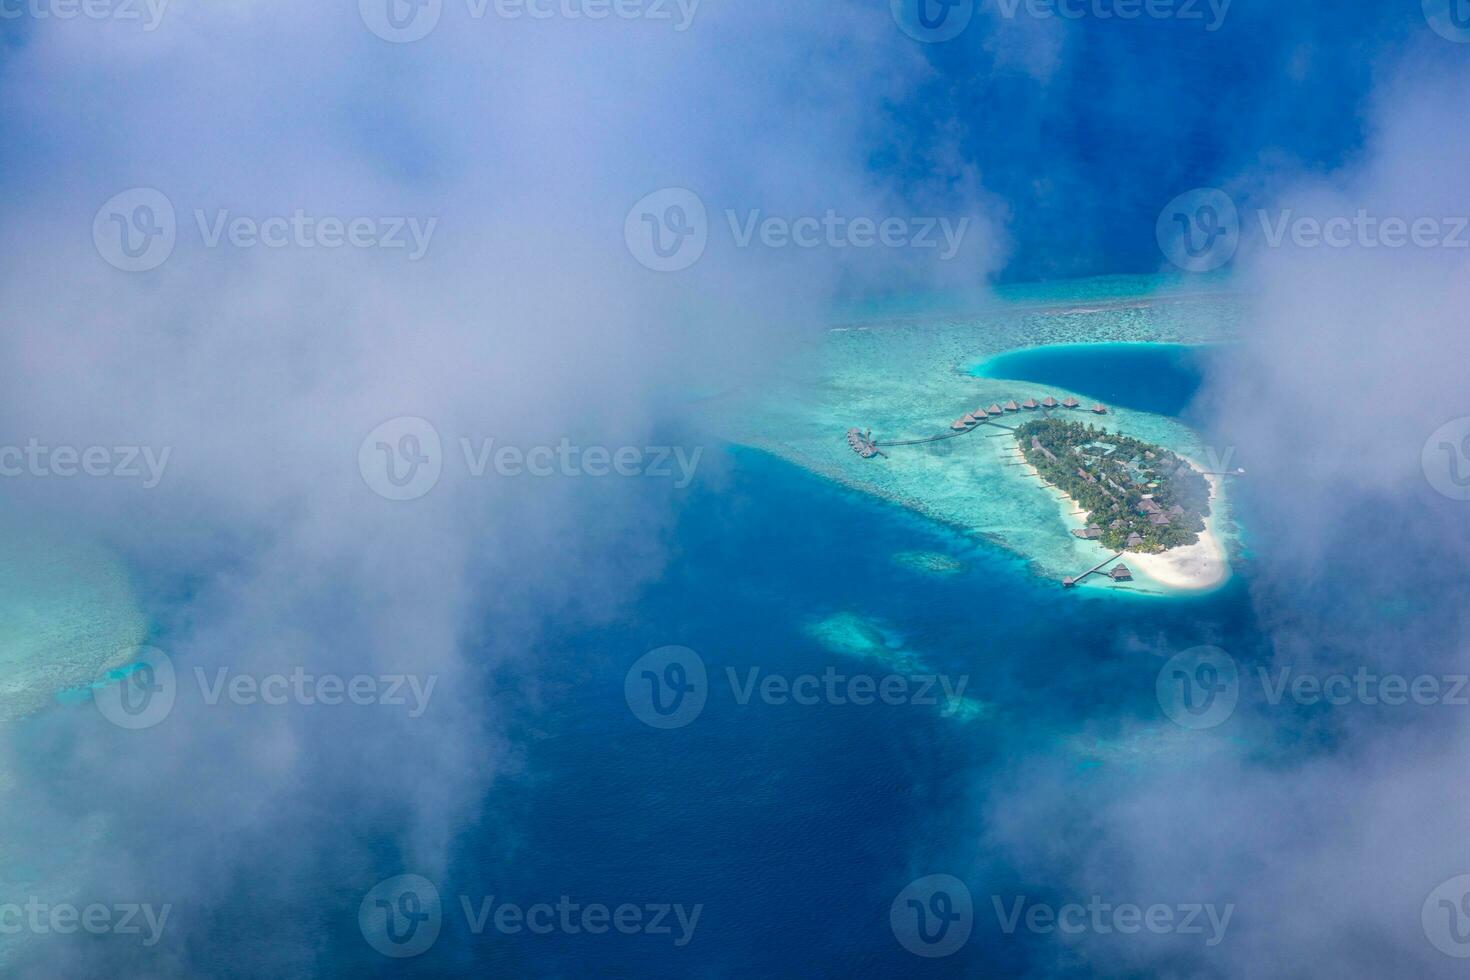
x: 980, y: 414
x: 1048, y: 402
x: 1089, y: 533
x: 1029, y: 404
x: 1121, y: 573
x: 1100, y: 409
x: 1134, y: 540
x: 1011, y: 406
x: 1070, y: 402
x: 994, y: 409
x: 958, y: 425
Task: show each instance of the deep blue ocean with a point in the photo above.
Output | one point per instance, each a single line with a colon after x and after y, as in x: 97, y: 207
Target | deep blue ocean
x: 796, y: 826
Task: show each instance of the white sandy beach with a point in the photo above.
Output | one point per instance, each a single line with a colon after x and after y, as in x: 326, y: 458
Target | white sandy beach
x: 1192, y: 568
x: 1195, y: 567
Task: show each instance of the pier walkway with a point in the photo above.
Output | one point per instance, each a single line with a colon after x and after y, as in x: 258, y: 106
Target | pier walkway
x: 1069, y: 582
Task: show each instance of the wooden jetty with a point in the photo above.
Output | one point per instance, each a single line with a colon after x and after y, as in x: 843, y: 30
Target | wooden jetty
x: 1070, y: 582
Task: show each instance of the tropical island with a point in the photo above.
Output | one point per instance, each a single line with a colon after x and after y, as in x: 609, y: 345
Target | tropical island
x: 1138, y: 497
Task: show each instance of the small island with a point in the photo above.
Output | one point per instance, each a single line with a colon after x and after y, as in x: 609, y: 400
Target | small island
x: 1139, y: 497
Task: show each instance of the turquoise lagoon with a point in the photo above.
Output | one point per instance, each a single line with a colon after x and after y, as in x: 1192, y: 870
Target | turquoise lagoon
x: 907, y: 370
x: 1159, y: 378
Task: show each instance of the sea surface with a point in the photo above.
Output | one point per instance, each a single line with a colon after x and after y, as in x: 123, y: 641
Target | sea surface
x: 794, y: 827
x: 797, y: 826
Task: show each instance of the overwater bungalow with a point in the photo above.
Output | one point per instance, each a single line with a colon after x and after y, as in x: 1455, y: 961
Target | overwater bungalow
x: 1029, y: 404
x: 1011, y: 406
x: 968, y: 419
x: 1070, y: 402
x: 958, y: 425
x: 980, y: 415
x: 1100, y: 409
x: 1121, y: 573
x: 994, y: 409
x: 1048, y: 402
